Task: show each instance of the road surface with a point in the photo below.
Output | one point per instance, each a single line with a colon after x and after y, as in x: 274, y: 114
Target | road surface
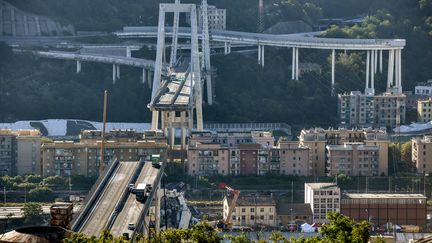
x: 132, y: 209
x: 110, y: 196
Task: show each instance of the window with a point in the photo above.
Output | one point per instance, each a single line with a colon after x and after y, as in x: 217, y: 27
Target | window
x: 243, y: 210
x: 271, y: 217
x: 252, y: 210
x: 262, y: 210
x: 252, y: 217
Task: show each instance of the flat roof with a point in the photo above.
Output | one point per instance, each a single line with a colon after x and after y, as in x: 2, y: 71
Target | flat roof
x: 320, y: 185
x: 383, y: 196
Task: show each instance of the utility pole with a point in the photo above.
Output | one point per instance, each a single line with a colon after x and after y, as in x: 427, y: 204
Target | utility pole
x: 102, y: 157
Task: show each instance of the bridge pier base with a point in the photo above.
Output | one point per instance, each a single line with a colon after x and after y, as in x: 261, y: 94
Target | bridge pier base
x: 78, y: 66
x: 297, y: 64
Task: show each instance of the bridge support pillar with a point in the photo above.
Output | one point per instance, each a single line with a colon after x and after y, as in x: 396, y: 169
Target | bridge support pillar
x: 78, y: 66
x: 262, y: 56
x: 114, y: 74
x: 333, y: 73
x: 381, y: 60
x: 118, y: 71
x: 149, y: 78
x: 157, y: 208
x: 38, y: 27
x: 26, y: 29
x: 128, y: 51
x: 369, y: 72
x: 144, y: 76
x: 172, y: 134
x: 13, y: 21
x: 390, y: 69
x: 293, y: 63
x: 259, y: 54
x: 375, y: 61
x: 297, y: 64
x: 225, y: 48
x: 399, y: 71
x: 155, y: 120
x: 229, y: 48
x: 373, y: 68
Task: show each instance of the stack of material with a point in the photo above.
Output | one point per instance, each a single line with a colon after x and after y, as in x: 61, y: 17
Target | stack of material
x: 61, y: 215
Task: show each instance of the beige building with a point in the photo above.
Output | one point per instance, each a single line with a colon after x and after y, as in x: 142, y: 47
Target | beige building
x: 424, y: 110
x: 357, y: 109
x: 19, y: 152
x: 294, y: 159
x: 208, y: 159
x: 65, y: 158
x: 251, y: 211
x: 323, y: 198
x: 317, y: 139
x: 29, y: 152
x: 422, y: 154
x: 353, y: 159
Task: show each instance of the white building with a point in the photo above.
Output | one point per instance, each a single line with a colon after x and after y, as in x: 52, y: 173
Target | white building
x: 216, y: 18
x: 424, y: 89
x: 323, y: 198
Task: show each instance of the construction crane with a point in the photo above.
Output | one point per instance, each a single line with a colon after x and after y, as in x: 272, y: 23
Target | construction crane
x: 226, y: 223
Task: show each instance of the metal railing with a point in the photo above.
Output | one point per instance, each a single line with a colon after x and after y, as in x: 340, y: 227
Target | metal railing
x: 94, y: 193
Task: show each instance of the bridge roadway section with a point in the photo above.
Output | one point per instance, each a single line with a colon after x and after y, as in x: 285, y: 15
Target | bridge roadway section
x: 111, y: 194
x: 132, y: 208
x: 295, y: 40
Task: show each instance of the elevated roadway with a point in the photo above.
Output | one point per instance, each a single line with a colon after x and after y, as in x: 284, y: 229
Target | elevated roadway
x: 111, y: 59
x: 295, y: 40
x: 105, y: 205
x: 132, y: 208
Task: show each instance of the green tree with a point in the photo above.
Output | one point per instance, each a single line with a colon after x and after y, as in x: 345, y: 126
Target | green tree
x: 33, y: 214
x: 41, y: 194
x: 342, y: 229
x: 34, y: 178
x: 56, y: 182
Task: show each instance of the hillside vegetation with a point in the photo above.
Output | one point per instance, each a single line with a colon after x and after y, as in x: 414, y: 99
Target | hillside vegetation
x: 32, y: 88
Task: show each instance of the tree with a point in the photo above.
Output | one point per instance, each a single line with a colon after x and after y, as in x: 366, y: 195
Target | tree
x: 343, y: 229
x: 41, y: 194
x: 56, y: 182
x: 406, y: 152
x: 34, y: 178
x: 33, y: 214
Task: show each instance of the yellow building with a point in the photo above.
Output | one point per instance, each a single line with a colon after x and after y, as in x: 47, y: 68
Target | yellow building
x: 65, y: 158
x: 422, y: 154
x: 251, y: 211
x: 424, y: 110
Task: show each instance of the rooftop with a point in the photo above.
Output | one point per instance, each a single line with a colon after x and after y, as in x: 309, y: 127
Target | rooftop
x: 383, y: 196
x: 253, y: 200
x: 296, y: 208
x: 315, y: 186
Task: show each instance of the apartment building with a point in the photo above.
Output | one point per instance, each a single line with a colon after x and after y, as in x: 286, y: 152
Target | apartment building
x: 247, y: 153
x: 19, y: 152
x: 318, y: 139
x: 208, y: 159
x: 216, y: 18
x: 323, y: 198
x: 353, y: 159
x: 424, y: 110
x: 380, y: 209
x: 29, y: 152
x: 384, y: 110
x: 66, y: 158
x: 294, y: 159
x: 424, y: 88
x: 422, y: 154
x: 251, y: 211
x: 8, y: 152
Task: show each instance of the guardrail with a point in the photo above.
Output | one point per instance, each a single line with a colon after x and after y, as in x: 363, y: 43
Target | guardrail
x: 94, y: 193
x: 120, y: 204
x: 140, y: 221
